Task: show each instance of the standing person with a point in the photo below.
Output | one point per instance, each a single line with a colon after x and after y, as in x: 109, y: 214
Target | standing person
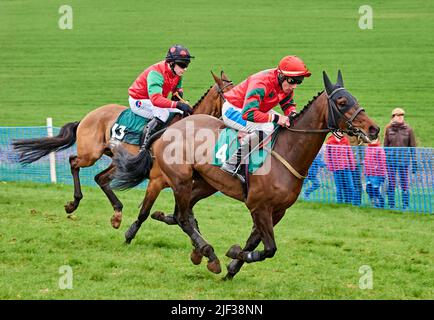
x: 340, y: 161
x: 375, y: 172
x: 148, y: 94
x: 249, y: 105
x: 312, y: 175
x: 357, y: 147
x: 399, y: 134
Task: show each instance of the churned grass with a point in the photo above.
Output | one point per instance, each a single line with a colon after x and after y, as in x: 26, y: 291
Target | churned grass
x: 324, y: 251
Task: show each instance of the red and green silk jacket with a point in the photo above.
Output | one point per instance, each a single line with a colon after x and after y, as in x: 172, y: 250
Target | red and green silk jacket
x: 258, y: 94
x: 155, y: 83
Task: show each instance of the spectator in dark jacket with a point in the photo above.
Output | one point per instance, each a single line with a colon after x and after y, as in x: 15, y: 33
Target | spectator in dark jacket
x: 399, y: 134
x: 340, y: 161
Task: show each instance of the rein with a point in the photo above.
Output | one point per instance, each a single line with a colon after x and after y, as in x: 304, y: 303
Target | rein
x: 221, y: 90
x: 334, y: 115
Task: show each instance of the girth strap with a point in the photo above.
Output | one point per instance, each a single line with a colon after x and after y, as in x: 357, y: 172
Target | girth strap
x: 287, y: 165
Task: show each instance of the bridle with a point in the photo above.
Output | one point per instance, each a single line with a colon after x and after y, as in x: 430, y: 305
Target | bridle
x: 221, y: 90
x: 334, y: 115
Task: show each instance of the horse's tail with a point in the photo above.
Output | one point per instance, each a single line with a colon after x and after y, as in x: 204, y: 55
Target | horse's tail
x: 33, y: 149
x: 130, y: 170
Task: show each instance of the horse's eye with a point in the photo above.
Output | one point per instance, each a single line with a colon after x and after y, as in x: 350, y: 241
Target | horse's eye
x: 341, y: 101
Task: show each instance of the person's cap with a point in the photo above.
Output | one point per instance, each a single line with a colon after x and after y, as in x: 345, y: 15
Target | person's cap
x: 398, y: 111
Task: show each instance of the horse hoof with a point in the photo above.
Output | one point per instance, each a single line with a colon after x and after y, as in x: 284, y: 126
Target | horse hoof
x: 116, y: 220
x: 214, y: 266
x: 196, y: 257
x: 234, y: 251
x: 69, y: 207
x: 228, y: 277
x: 158, y: 215
x: 131, y: 233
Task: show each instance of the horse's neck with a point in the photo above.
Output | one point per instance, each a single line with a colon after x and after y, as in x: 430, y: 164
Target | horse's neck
x: 300, y: 149
x: 208, y: 105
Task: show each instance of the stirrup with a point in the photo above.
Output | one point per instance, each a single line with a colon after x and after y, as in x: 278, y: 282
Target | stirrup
x: 235, y: 173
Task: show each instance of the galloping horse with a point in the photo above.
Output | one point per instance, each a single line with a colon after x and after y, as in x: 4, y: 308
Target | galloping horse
x: 271, y: 191
x: 92, y: 134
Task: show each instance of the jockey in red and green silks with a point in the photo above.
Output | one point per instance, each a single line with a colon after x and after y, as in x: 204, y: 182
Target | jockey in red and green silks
x: 249, y: 106
x: 148, y: 94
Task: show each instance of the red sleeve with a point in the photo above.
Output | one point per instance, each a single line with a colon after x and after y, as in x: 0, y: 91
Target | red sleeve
x: 159, y: 101
x: 287, y: 104
x: 254, y: 96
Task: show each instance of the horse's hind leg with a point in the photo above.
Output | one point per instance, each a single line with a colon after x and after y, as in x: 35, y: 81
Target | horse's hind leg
x: 182, y: 197
x: 77, y: 162
x: 252, y: 242
x: 201, y: 190
x: 74, y: 162
x: 152, y: 191
x: 103, y: 180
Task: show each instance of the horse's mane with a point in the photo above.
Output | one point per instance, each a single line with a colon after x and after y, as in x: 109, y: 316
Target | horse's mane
x: 201, y: 98
x: 308, y: 104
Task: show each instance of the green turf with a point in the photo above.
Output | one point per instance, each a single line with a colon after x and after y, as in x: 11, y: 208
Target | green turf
x: 320, y: 251
x: 64, y: 74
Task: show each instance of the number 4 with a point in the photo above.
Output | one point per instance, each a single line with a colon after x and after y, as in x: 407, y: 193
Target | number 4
x: 221, y: 153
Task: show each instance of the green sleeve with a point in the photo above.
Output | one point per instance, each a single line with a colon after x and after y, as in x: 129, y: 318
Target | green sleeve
x: 155, y: 82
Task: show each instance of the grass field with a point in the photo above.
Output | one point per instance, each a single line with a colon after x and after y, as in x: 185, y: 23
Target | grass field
x: 320, y: 251
x: 64, y: 74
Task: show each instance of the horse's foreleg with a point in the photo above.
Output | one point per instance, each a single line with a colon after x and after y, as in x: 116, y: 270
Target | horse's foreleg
x: 152, y: 191
x: 74, y: 162
x: 239, y: 255
x: 103, y: 180
x: 235, y: 265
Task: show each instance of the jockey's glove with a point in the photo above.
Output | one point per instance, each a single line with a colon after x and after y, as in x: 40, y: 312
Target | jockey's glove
x: 292, y: 116
x: 184, y: 107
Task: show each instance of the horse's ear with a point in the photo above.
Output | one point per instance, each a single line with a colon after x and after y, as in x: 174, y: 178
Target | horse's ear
x: 224, y: 77
x: 217, y: 80
x: 340, y: 81
x: 327, y: 83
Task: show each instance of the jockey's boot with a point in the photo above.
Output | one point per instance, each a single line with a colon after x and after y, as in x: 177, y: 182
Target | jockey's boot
x: 152, y: 127
x: 233, y: 164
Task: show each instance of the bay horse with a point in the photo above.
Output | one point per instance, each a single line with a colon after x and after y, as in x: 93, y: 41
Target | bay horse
x: 271, y: 191
x: 92, y: 135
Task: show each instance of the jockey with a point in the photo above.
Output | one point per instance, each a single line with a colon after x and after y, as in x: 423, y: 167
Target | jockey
x: 249, y: 105
x: 148, y: 94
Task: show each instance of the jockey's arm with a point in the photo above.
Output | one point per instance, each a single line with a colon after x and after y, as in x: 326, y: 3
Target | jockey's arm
x: 251, y: 111
x: 155, y: 90
x: 288, y: 105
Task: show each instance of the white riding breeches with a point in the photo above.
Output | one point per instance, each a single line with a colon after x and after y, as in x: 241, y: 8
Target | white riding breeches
x: 145, y: 109
x: 232, y: 118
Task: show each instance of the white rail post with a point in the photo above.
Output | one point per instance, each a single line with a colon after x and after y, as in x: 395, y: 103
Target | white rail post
x: 52, y: 154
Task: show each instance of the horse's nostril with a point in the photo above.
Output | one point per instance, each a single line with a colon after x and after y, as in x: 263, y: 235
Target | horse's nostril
x: 374, y: 131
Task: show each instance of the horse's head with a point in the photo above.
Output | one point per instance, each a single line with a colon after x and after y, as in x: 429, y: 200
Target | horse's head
x: 211, y: 102
x: 344, y: 112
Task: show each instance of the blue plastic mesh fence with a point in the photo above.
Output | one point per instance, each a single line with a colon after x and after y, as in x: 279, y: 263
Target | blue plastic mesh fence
x: 380, y: 177
x: 39, y: 171
x: 396, y: 178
